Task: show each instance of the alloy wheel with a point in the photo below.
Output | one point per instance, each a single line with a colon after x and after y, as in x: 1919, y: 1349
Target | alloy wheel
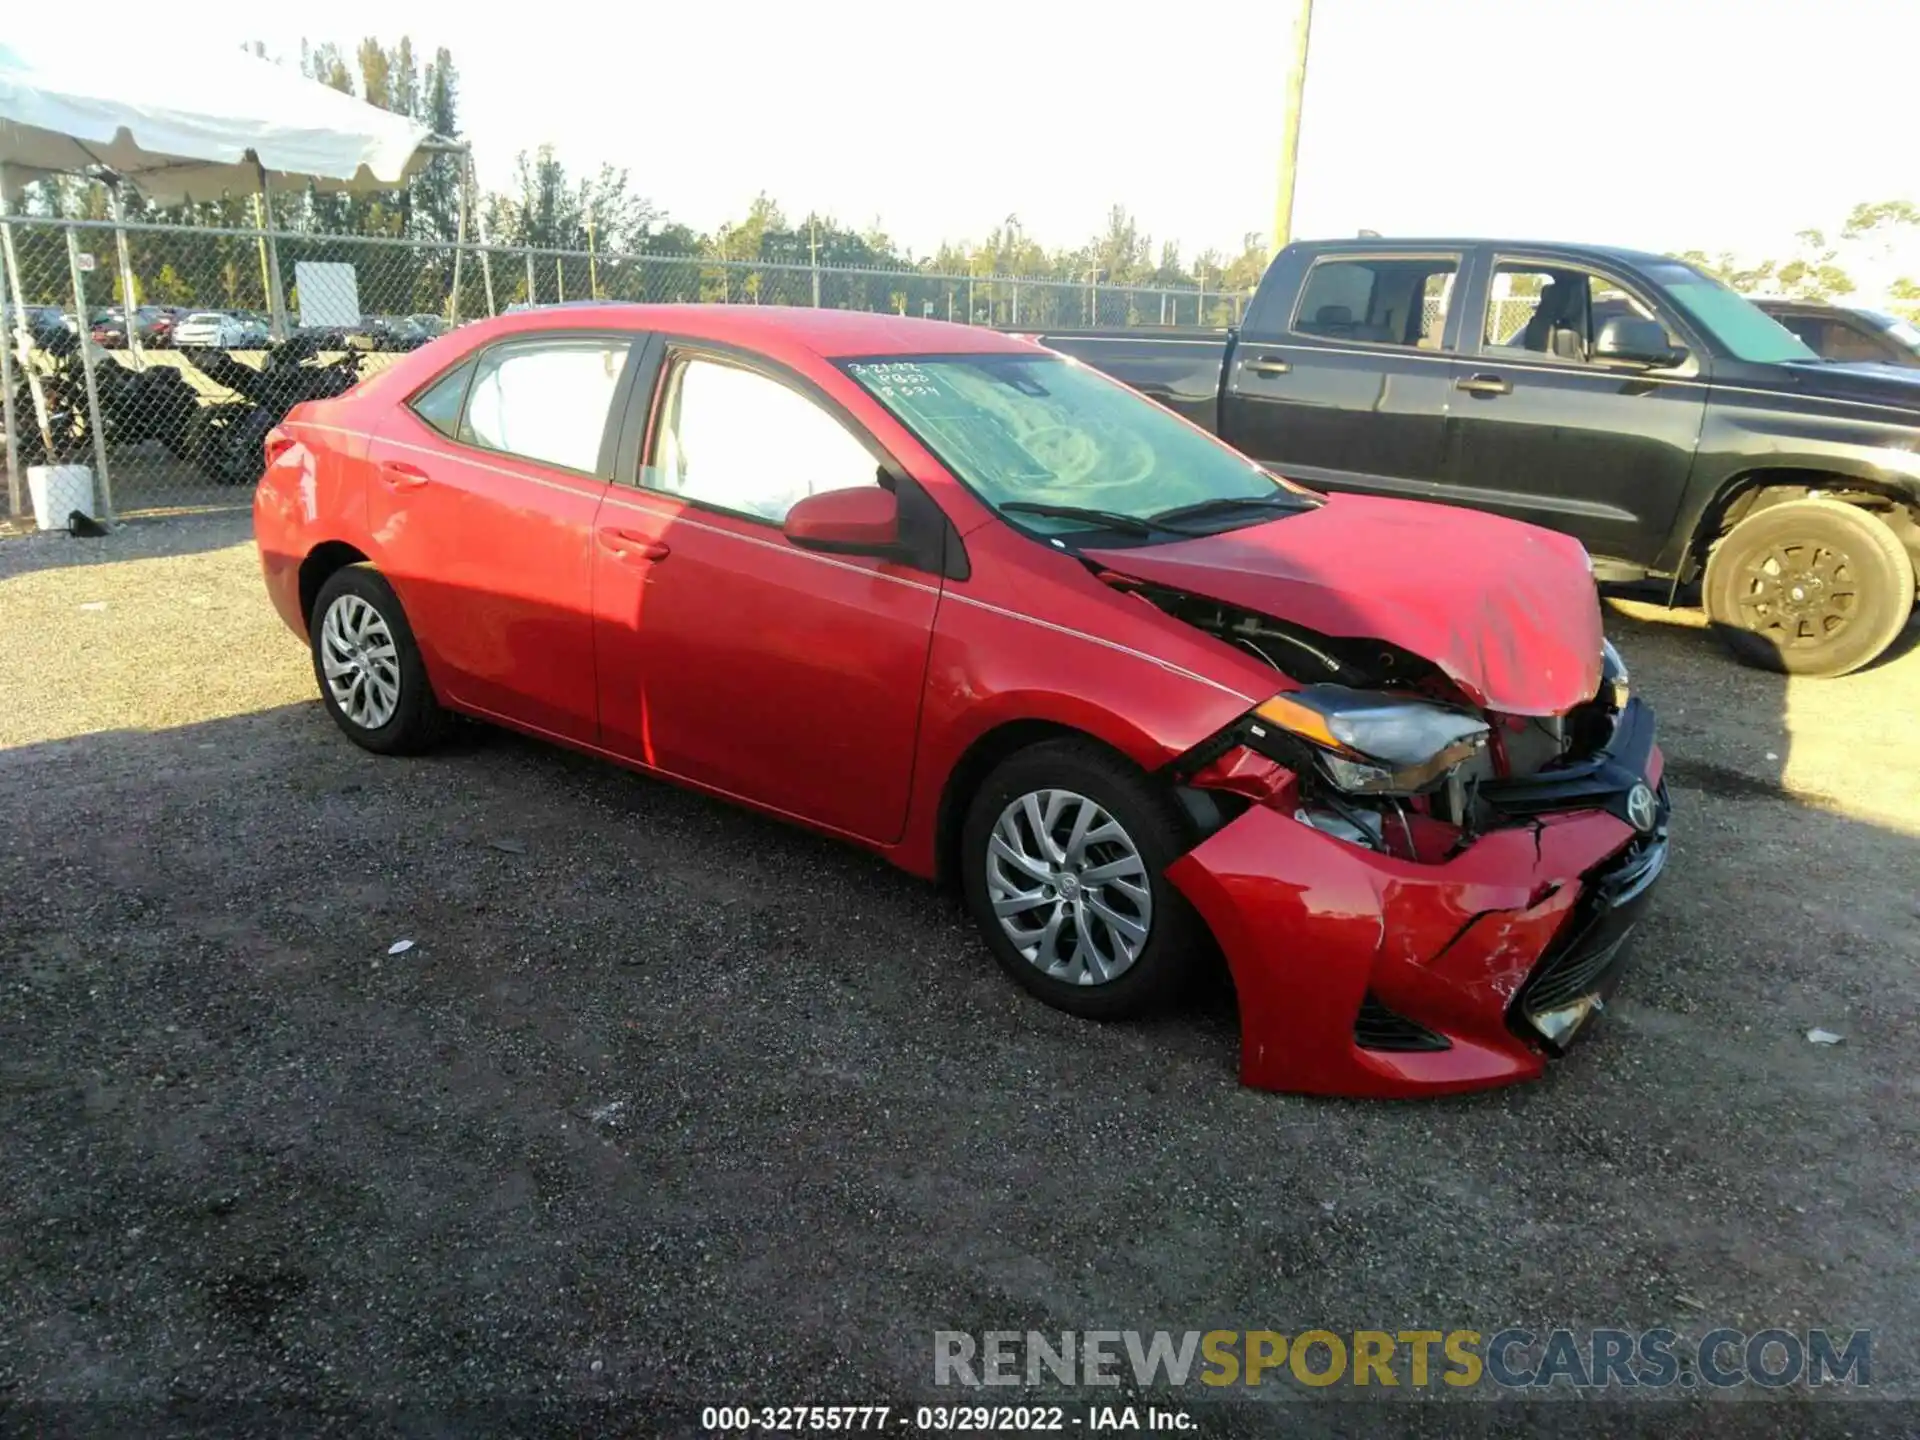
x: 1069, y: 887
x: 1804, y: 592
x: 361, y: 662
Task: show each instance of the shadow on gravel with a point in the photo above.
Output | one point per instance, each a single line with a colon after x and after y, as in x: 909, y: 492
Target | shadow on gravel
x: 140, y: 539
x: 667, y: 1105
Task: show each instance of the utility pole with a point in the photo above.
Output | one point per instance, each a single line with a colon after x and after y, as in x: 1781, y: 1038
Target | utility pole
x: 1290, y: 128
x: 593, y: 265
x: 813, y: 256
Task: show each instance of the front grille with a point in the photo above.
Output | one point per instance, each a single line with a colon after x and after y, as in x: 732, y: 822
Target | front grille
x: 1602, y: 781
x: 1586, y: 961
x: 1378, y: 1028
x: 1574, y: 972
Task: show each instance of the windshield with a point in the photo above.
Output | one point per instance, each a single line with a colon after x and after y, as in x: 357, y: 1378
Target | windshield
x: 1747, y: 331
x: 1040, y: 430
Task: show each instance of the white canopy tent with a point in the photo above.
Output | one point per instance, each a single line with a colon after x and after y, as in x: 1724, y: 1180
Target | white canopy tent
x: 196, y: 127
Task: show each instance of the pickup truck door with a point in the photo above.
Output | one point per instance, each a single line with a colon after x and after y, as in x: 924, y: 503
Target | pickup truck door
x: 1541, y: 432
x: 1349, y: 387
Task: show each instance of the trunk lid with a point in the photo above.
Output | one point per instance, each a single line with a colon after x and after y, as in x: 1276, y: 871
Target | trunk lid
x: 1507, y: 610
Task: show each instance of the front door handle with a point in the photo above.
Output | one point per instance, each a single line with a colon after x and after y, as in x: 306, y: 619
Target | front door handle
x: 402, y: 476
x: 1268, y: 365
x: 631, y: 546
x: 1484, y: 385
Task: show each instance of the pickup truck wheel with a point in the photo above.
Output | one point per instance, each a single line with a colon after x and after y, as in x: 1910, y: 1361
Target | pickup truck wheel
x: 1810, y: 587
x: 1063, y: 860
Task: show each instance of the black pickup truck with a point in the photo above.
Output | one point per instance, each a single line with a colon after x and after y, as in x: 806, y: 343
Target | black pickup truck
x: 1624, y: 398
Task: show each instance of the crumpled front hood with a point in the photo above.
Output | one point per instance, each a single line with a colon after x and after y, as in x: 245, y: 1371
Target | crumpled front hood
x: 1508, y: 611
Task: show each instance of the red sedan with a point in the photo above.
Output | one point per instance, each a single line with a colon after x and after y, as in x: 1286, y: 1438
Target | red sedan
x: 952, y: 597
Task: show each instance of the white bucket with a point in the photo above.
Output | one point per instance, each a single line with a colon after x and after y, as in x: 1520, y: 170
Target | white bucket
x: 58, y: 491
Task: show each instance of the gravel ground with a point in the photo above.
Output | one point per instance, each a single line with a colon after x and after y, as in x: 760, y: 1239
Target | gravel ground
x: 668, y: 1105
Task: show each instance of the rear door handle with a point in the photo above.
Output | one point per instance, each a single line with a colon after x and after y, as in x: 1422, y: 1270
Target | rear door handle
x: 1268, y: 365
x: 402, y: 476
x: 630, y: 546
x: 1484, y: 385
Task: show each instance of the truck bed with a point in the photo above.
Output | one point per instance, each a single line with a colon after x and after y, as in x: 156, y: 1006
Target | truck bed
x: 1181, y: 367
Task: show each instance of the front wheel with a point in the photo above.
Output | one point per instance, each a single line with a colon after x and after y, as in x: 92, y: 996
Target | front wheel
x: 371, y: 676
x: 1810, y: 587
x: 1064, y: 853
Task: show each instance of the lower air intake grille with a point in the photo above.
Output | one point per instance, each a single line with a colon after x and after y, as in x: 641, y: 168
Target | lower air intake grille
x: 1378, y: 1028
x: 1567, y: 976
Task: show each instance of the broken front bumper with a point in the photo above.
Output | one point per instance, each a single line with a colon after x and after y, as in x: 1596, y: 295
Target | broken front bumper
x: 1361, y: 974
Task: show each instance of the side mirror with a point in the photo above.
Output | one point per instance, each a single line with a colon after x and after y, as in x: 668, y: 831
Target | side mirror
x: 864, y: 520
x: 1637, y: 341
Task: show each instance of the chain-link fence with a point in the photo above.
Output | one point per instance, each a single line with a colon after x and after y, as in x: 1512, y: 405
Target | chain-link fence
x: 168, y: 406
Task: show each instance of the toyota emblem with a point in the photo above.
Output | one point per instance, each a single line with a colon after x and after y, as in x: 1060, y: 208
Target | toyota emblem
x: 1641, y: 811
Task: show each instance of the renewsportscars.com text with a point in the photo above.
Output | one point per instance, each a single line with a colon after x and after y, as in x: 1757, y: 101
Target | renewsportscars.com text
x: 1512, y: 1359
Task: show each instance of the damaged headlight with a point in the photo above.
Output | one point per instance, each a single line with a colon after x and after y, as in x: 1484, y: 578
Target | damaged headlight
x: 1615, y: 683
x: 1369, y: 743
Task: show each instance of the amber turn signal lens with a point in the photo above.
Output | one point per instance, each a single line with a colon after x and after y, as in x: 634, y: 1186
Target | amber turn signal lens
x: 1302, y: 720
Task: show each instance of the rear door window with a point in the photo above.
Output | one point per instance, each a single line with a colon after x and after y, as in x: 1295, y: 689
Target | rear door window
x: 547, y: 399
x: 1377, y: 300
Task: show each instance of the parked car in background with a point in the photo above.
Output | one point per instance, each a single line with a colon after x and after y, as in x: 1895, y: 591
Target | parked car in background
x: 156, y: 324
x: 109, y: 330
x: 1625, y: 399
x: 43, y: 321
x: 1849, y: 334
x: 936, y: 591
x: 410, y: 332
x: 219, y: 330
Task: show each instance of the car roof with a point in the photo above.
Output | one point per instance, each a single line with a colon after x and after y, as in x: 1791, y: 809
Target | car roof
x: 1787, y: 302
x: 773, y: 328
x: 1459, y: 242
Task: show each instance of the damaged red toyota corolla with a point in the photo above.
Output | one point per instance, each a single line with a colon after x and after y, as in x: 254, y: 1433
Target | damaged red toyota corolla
x: 954, y: 598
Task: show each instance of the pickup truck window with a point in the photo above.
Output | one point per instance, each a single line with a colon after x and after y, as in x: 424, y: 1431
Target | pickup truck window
x: 1554, y: 311
x: 1747, y: 332
x: 1041, y: 430
x: 1833, y: 338
x: 1380, y: 301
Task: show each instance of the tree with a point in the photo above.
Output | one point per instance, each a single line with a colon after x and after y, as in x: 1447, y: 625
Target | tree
x: 436, y: 189
x: 1812, y: 274
x: 376, y: 74
x: 1892, y: 229
x: 327, y: 64
x: 403, y: 80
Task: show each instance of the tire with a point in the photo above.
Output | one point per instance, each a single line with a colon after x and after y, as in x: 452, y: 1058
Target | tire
x: 1150, y: 824
x: 1809, y: 587
x: 392, y: 709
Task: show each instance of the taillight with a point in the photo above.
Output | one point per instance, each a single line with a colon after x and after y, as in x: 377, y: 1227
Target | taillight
x: 278, y: 443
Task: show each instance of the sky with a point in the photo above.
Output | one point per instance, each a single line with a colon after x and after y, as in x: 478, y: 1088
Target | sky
x: 1708, y: 124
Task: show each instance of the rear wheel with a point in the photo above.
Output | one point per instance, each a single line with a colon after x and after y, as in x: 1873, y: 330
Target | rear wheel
x: 1810, y: 587
x: 1063, y: 862
x: 371, y: 676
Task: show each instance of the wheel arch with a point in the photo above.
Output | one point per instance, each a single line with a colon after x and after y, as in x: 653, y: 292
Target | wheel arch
x: 322, y: 562
x: 977, y: 762
x: 1759, y: 488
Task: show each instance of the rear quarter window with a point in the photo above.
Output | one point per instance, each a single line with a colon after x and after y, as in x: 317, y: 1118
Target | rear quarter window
x: 439, y: 403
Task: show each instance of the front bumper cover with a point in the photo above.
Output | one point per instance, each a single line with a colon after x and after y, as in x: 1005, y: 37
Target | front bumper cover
x: 1331, y: 944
